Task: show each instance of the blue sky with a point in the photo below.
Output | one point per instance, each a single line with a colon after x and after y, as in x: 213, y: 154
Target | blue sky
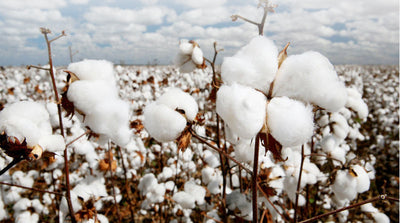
x: 142, y: 31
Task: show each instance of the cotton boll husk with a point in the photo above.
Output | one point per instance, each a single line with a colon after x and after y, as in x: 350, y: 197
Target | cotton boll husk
x: 242, y: 108
x: 112, y: 119
x: 310, y: 77
x: 197, y: 56
x: 93, y: 70
x: 52, y: 143
x: 254, y: 65
x: 345, y: 186
x: 175, y: 98
x: 86, y: 94
x: 363, y: 181
x: 355, y: 102
x: 184, y: 199
x: 290, y: 121
x: 163, y: 123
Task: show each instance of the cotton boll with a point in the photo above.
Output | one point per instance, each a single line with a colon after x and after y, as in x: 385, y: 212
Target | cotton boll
x: 310, y: 77
x: 52, y: 143
x: 244, y: 151
x: 376, y: 214
x: 175, y: 98
x: 197, y: 56
x: 290, y: 121
x: 185, y: 200
x: 345, y: 186
x: 254, y: 65
x: 27, y: 216
x: 86, y: 94
x: 207, y: 174
x: 237, y: 200
x: 163, y: 123
x: 198, y: 192
x: 340, y: 126
x: 242, y: 108
x: 93, y: 70
x: 355, y: 102
x: 211, y: 159
x: 185, y: 47
x: 363, y: 181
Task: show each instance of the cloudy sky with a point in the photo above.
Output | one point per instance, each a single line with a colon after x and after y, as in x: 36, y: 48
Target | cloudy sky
x: 148, y: 31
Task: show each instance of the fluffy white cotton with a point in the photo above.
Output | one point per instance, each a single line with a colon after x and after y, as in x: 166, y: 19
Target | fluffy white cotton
x: 356, y: 103
x: 189, y: 57
x: 175, y: 98
x: 163, y: 123
x: 310, y: 77
x: 185, y: 200
x: 198, y: 192
x: 93, y: 70
x: 376, y: 214
x: 242, y: 108
x: 362, y: 178
x: 254, y: 65
x: 290, y: 121
x: 30, y: 121
x: 149, y: 187
x: 96, y: 96
x: 345, y: 186
x: 238, y: 200
x: 340, y: 126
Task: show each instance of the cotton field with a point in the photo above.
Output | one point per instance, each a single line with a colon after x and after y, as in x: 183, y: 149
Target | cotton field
x: 132, y: 166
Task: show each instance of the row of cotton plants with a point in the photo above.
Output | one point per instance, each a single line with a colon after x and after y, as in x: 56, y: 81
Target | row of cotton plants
x: 270, y: 136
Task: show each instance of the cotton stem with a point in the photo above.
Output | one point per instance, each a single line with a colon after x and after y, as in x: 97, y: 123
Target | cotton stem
x: 298, y: 184
x: 254, y: 178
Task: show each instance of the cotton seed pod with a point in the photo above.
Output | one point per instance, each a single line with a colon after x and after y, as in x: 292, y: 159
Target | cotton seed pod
x: 36, y: 153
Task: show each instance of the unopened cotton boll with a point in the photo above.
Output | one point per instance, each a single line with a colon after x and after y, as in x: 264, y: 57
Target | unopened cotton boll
x: 254, y: 65
x: 175, y: 98
x: 163, y: 123
x: 93, y: 70
x: 310, y: 77
x: 290, y: 121
x: 242, y: 108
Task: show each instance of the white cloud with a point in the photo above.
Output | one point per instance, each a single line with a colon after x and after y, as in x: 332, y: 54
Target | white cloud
x: 201, y: 4
x: 203, y: 16
x: 79, y: 2
x: 29, y: 4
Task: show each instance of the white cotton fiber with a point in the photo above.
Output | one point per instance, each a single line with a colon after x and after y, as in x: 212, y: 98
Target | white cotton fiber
x: 340, y: 126
x: 198, y: 192
x: 345, y: 185
x: 175, y: 98
x: 310, y: 77
x: 185, y: 47
x: 86, y: 94
x: 197, y: 55
x: 93, y: 70
x: 362, y: 178
x: 52, y: 143
x: 356, y: 103
x: 163, y: 123
x: 185, y: 200
x: 242, y: 108
x: 290, y: 121
x: 254, y: 65
x: 376, y: 214
x: 189, y: 56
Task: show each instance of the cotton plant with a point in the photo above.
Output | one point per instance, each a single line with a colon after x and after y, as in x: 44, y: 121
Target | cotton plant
x: 92, y: 93
x: 189, y: 57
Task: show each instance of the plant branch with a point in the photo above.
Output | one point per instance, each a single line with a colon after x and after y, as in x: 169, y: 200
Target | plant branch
x: 270, y: 202
x: 14, y: 162
x: 298, y: 184
x: 377, y: 198
x: 77, y: 138
x: 254, y: 178
x: 194, y: 134
x: 112, y: 181
x: 37, y: 67
x: 31, y: 188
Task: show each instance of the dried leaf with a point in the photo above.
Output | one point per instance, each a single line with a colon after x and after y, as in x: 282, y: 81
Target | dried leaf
x: 270, y: 144
x: 38, y: 90
x: 10, y: 91
x: 264, y: 182
x: 13, y: 147
x: 67, y: 105
x: 87, y: 212
x: 104, y: 164
x: 137, y: 125
x: 183, y: 140
x: 203, y: 65
x: 282, y: 55
x: 27, y: 80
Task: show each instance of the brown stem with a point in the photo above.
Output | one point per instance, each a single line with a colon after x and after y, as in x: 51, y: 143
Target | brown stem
x: 254, y: 178
x: 77, y: 138
x: 31, y: 188
x: 221, y: 151
x: 127, y: 187
x: 37, y: 67
x: 298, y: 184
x: 14, y: 162
x: 270, y: 202
x: 377, y: 198
x: 66, y: 166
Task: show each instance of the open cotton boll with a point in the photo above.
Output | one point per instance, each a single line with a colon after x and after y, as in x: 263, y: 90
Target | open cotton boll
x: 185, y: 47
x: 175, y: 98
x: 340, y: 126
x: 362, y: 178
x: 355, y: 102
x: 310, y: 77
x: 184, y: 199
x: 376, y: 214
x: 254, y: 65
x: 238, y: 200
x: 197, y: 56
x: 86, y: 94
x: 242, y: 108
x: 198, y: 192
x: 111, y: 118
x: 290, y: 121
x: 52, y: 143
x: 163, y: 123
x: 93, y: 70
x: 345, y: 186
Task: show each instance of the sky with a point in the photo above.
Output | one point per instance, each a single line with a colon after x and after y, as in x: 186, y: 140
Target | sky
x: 148, y: 31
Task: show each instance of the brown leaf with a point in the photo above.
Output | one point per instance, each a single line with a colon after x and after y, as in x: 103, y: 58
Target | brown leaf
x: 87, y: 212
x: 264, y: 182
x: 67, y: 105
x: 38, y: 90
x: 183, y: 140
x: 10, y: 91
x: 137, y: 125
x: 282, y: 55
x: 27, y: 80
x: 270, y: 144
x: 104, y: 164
